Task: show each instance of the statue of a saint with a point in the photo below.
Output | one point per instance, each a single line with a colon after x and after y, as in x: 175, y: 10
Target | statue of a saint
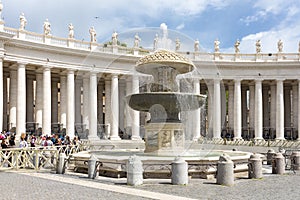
x: 258, y: 46
x: 155, y: 42
x: 23, y: 21
x: 114, y: 38
x: 137, y: 40
x: 47, y: 29
x: 217, y: 46
x: 196, y: 45
x: 177, y: 45
x: 280, y: 46
x: 71, y: 31
x: 236, y: 46
x: 93, y: 34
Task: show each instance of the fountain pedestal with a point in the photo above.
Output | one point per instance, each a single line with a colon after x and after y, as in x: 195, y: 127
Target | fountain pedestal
x: 164, y: 138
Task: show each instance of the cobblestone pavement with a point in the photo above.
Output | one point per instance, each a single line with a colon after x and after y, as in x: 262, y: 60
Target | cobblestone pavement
x: 29, y: 185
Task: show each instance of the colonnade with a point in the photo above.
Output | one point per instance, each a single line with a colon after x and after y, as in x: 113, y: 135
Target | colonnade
x: 245, y: 109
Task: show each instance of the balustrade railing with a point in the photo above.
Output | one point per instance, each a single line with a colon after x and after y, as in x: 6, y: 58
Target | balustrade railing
x: 202, y: 56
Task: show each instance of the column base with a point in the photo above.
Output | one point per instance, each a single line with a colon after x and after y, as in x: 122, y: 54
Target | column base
x: 258, y: 139
x: 279, y: 139
x: 238, y: 139
x: 217, y: 139
x: 136, y: 138
x: 115, y: 138
x: 93, y: 138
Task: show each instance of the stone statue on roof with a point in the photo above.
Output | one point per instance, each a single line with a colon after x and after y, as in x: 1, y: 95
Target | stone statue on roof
x: 217, y: 46
x: 47, y: 29
x: 137, y: 40
x: 196, y: 45
x: 71, y: 31
x: 23, y: 21
x: 258, y: 46
x: 280, y: 46
x: 177, y: 44
x: 93, y: 34
x: 114, y: 38
x: 237, y: 46
x: 155, y: 42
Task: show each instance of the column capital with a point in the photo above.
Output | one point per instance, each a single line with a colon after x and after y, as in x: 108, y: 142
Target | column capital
x: 237, y: 80
x: 280, y: 79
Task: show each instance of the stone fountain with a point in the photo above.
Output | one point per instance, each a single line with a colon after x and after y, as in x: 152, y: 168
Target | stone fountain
x: 164, y: 131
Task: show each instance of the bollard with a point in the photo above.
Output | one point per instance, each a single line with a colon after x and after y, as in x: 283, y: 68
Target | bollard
x: 225, y: 174
x: 278, y: 164
x: 179, y: 172
x: 134, y: 171
x: 92, y: 169
x: 270, y: 155
x: 255, y: 166
x: 295, y: 160
x: 60, y: 169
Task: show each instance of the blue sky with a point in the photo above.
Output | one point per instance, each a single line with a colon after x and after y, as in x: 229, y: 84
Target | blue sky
x: 206, y: 20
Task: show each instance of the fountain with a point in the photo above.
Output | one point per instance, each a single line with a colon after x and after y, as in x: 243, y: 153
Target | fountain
x: 164, y: 131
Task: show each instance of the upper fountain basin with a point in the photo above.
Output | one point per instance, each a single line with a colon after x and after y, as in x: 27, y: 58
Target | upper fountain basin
x: 160, y: 58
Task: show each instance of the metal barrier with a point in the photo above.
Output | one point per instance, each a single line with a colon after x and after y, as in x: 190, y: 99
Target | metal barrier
x: 37, y: 158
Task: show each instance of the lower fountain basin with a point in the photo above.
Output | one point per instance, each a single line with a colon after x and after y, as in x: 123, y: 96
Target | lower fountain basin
x: 201, y: 163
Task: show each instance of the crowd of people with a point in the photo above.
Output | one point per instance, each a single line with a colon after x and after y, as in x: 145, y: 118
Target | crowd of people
x: 8, y: 140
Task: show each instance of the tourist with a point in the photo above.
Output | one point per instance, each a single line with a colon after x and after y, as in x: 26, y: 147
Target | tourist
x: 32, y: 141
x: 48, y: 141
x: 67, y: 140
x: 23, y: 143
x: 76, y: 140
x: 11, y: 139
x: 4, y: 144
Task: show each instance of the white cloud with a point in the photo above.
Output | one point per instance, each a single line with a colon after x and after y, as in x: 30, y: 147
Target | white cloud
x: 180, y: 26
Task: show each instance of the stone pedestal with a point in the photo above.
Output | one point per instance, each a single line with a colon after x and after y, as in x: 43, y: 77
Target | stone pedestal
x: 134, y: 171
x: 295, y: 160
x: 179, y: 172
x: 255, y: 166
x: 278, y: 164
x: 225, y: 173
x: 164, y: 137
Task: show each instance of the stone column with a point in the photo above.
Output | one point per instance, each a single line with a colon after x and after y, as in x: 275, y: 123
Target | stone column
x: 135, y: 114
x: 237, y: 110
x: 258, y: 110
x: 217, y: 110
x: 86, y: 103
x: 78, y: 84
x: 210, y: 110
x: 5, y: 122
x: 70, y: 104
x: 100, y: 101
x: 13, y: 99
x: 39, y: 100
x: 1, y: 94
x: 266, y: 108
x: 63, y: 101
x: 47, y: 101
x: 114, y: 108
x: 29, y: 99
x: 21, y: 100
x: 54, y: 100
x: 295, y: 105
x: 196, y: 114
x: 128, y: 118
x: 273, y: 106
x: 231, y: 106
x: 298, y: 110
x: 93, y: 107
x: 287, y: 106
x: 251, y: 108
x: 122, y: 91
x: 279, y: 110
x: 107, y: 107
x: 244, y: 108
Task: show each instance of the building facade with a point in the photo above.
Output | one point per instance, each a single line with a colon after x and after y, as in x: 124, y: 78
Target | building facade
x: 66, y: 86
